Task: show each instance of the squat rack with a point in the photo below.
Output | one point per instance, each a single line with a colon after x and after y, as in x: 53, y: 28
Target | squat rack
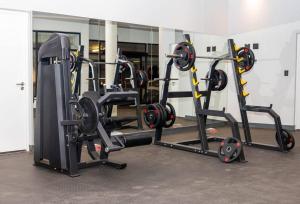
x: 241, y: 95
x: 202, y: 111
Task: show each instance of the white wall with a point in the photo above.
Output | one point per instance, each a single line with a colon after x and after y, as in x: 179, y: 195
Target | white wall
x: 194, y: 15
x: 166, y: 42
x: 274, y: 25
x: 266, y: 81
x: 248, y: 15
x: 134, y: 35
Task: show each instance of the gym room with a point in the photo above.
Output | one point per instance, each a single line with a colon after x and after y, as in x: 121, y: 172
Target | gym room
x: 130, y: 101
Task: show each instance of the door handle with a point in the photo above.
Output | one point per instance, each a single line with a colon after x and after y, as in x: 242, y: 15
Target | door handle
x: 21, y: 84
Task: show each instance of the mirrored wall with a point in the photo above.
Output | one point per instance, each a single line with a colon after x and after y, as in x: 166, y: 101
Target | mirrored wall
x: 138, y: 44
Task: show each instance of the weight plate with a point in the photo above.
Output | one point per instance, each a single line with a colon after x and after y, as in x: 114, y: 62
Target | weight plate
x: 230, y: 149
x: 218, y: 80
x: 287, y: 139
x: 152, y: 116
x: 164, y: 114
x: 223, y: 79
x: 73, y: 61
x: 188, y: 56
x: 90, y: 115
x: 142, y: 78
x: 145, y: 78
x: 248, y: 58
x: 171, y: 115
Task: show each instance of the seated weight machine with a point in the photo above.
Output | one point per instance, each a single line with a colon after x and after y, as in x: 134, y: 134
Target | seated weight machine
x: 284, y: 139
x: 64, y: 123
x: 137, y: 79
x: 230, y: 149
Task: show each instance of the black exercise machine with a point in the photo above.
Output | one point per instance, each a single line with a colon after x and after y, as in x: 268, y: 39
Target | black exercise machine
x: 64, y: 123
x: 137, y: 79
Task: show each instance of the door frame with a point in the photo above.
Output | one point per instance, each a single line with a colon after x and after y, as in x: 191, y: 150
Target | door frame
x: 29, y: 93
x: 297, y: 83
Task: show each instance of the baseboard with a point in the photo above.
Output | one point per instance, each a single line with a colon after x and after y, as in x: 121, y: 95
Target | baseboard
x: 31, y: 148
x: 12, y: 152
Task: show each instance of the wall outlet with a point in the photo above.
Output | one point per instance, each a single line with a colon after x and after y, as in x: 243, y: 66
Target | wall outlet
x: 214, y: 48
x: 255, y: 46
x: 207, y: 49
x: 247, y: 45
x: 286, y: 72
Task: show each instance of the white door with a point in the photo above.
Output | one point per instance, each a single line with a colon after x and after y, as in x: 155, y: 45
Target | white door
x: 14, y: 65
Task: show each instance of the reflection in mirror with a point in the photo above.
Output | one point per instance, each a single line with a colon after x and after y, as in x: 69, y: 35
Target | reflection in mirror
x: 137, y: 45
x: 142, y: 47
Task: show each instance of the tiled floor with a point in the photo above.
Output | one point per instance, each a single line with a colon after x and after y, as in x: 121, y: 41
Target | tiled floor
x: 160, y: 175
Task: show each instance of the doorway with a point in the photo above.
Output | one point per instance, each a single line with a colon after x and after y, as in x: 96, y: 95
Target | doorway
x: 15, y: 87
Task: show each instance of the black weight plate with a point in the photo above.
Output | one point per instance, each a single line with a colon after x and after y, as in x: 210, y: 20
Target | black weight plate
x: 90, y: 115
x: 218, y: 80
x: 188, y: 56
x: 142, y: 78
x: 288, y: 139
x: 95, y: 96
x: 230, y: 149
x: 152, y: 116
x: 223, y: 79
x: 248, y: 58
x: 164, y: 114
x: 145, y: 78
x: 171, y: 115
x: 73, y: 61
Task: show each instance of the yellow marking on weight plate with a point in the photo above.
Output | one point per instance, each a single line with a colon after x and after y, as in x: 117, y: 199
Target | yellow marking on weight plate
x: 243, y: 82
x: 241, y: 70
x: 195, y: 82
x: 245, y: 93
x: 193, y: 69
x: 197, y: 95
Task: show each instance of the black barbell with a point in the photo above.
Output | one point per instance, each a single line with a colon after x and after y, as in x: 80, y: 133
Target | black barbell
x: 74, y: 59
x: 184, y: 57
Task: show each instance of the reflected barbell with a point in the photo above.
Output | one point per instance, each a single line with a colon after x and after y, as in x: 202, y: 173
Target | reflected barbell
x: 74, y: 59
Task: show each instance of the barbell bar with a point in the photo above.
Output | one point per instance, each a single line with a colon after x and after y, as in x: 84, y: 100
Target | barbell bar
x: 84, y: 60
x: 184, y: 57
x: 201, y: 57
